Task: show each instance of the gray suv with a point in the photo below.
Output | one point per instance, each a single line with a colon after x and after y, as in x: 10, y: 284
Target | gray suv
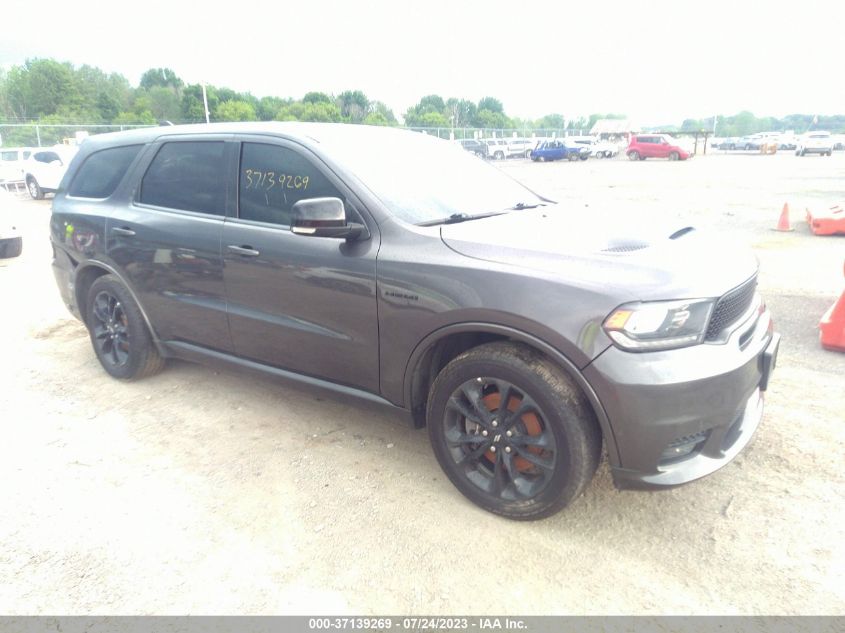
x: 520, y: 338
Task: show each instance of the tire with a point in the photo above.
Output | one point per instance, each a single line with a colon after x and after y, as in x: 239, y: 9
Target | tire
x: 674, y: 156
x: 34, y: 189
x: 11, y: 247
x: 573, y: 157
x: 120, y: 337
x: 499, y: 156
x: 528, y: 154
x: 584, y: 157
x: 634, y: 155
x: 555, y: 445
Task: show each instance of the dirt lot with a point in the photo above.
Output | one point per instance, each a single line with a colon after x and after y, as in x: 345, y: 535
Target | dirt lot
x: 198, y: 491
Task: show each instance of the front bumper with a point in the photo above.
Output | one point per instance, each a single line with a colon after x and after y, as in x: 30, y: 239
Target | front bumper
x: 681, y: 414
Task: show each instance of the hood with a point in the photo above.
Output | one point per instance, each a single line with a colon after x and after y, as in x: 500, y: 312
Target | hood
x: 589, y: 250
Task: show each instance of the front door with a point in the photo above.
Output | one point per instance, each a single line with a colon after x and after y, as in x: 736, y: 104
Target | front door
x: 306, y: 304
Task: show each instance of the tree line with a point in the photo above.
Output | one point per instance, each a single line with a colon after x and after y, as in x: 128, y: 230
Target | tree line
x: 47, y: 91
x: 745, y: 123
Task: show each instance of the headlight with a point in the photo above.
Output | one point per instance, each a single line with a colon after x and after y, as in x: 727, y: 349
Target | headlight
x: 658, y: 325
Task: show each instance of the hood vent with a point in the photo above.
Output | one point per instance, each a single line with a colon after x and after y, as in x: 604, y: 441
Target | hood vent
x: 624, y: 246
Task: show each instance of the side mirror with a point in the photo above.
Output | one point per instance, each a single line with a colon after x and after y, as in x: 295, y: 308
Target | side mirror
x: 325, y: 217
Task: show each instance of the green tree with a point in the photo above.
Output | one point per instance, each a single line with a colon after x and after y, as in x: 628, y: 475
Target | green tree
x: 381, y: 111
x: 235, y: 110
x: 268, y: 107
x: 317, y: 97
x: 39, y: 88
x: 354, y: 105
x: 491, y: 104
x: 191, y: 102
x: 162, y: 78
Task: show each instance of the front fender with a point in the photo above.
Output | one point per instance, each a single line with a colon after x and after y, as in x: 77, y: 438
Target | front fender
x: 532, y: 341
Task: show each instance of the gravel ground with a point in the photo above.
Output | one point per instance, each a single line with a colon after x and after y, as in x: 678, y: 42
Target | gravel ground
x: 198, y: 491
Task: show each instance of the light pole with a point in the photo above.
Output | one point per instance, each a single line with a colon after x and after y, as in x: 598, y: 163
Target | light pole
x: 205, y: 103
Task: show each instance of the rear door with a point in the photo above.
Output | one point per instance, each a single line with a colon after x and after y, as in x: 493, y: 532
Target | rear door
x: 306, y: 304
x: 166, y: 240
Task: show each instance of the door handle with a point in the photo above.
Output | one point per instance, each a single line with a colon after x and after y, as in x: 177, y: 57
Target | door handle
x: 122, y: 230
x: 246, y: 251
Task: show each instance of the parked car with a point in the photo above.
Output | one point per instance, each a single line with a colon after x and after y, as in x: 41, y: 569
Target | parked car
x: 815, y: 143
x: 644, y: 146
x: 520, y: 146
x: 478, y: 148
x: 497, y: 148
x: 522, y: 339
x: 45, y: 168
x: 12, y: 161
x: 597, y: 147
x: 11, y: 242
x: 557, y: 149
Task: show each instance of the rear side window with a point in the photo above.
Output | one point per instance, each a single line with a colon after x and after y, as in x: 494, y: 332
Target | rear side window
x: 102, y: 172
x: 187, y: 175
x: 273, y: 179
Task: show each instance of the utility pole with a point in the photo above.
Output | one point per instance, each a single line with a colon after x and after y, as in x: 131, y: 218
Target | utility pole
x: 205, y: 103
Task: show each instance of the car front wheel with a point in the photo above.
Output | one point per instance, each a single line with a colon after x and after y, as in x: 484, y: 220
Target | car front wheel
x: 35, y: 191
x: 674, y: 156
x: 512, y: 432
x: 118, y: 332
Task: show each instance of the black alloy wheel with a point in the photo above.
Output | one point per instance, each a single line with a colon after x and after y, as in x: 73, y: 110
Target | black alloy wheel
x: 512, y: 432
x: 118, y: 331
x: 110, y: 329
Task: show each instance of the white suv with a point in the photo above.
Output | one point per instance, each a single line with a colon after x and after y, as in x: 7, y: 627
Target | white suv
x: 520, y: 146
x: 44, y: 169
x: 496, y: 148
x: 815, y: 143
x: 12, y: 163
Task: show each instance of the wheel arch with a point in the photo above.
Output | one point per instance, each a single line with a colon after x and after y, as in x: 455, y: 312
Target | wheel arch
x: 437, y: 349
x: 85, y: 276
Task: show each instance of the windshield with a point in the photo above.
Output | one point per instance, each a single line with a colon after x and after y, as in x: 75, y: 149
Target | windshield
x: 422, y: 179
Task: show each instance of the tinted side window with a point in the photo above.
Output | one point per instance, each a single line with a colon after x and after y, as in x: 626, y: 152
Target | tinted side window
x: 102, y: 172
x: 273, y: 178
x: 46, y: 157
x: 187, y: 175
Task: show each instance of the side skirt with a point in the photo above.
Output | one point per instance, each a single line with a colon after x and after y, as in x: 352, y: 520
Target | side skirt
x: 205, y: 356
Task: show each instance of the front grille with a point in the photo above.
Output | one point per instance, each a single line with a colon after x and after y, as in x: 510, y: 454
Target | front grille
x: 730, y: 307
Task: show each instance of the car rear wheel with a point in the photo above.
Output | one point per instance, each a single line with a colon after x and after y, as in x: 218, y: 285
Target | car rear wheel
x: 498, y: 155
x: 634, y: 155
x: 35, y: 191
x: 512, y: 432
x: 118, y: 332
x: 674, y: 156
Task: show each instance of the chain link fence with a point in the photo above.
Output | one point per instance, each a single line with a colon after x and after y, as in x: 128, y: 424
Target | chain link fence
x: 46, y: 135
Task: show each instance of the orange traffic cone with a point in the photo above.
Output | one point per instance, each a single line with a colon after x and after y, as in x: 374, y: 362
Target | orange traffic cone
x: 783, y: 222
x: 832, y: 326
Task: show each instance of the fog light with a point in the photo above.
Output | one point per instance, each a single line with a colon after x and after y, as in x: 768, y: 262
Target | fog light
x: 683, y: 446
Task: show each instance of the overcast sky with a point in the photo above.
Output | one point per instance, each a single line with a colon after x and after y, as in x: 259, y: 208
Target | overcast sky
x: 657, y: 62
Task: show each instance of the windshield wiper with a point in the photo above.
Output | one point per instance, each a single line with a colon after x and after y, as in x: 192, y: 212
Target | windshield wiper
x: 455, y: 218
